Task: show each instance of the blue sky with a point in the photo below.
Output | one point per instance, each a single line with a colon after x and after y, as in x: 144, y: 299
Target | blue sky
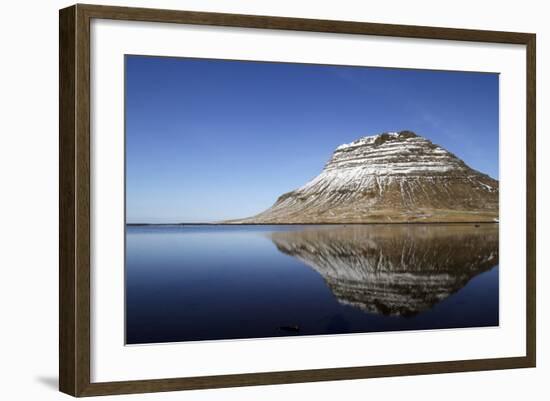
x: 208, y: 140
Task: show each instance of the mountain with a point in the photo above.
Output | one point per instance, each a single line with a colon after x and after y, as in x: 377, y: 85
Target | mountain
x: 397, y: 270
x: 391, y: 177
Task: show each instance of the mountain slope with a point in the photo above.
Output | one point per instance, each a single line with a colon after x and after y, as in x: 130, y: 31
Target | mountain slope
x: 391, y: 177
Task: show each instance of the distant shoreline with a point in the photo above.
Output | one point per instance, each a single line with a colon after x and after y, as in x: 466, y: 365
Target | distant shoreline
x: 314, y: 224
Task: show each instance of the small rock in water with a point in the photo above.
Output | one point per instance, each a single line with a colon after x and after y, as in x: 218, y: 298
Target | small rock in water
x: 293, y: 328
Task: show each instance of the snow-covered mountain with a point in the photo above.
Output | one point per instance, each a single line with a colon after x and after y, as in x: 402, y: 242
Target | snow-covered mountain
x: 391, y: 177
x: 397, y: 270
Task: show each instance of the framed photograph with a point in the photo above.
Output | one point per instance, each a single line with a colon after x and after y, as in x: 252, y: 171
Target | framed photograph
x: 250, y: 200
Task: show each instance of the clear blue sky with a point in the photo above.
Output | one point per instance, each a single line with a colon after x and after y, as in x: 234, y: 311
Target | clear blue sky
x: 208, y: 140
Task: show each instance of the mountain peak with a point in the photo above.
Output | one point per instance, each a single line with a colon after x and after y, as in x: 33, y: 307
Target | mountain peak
x: 395, y: 153
x: 378, y: 139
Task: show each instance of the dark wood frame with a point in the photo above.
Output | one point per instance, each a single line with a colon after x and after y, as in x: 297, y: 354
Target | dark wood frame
x: 74, y: 199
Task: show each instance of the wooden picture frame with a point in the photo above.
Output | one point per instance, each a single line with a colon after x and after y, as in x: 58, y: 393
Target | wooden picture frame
x: 74, y: 199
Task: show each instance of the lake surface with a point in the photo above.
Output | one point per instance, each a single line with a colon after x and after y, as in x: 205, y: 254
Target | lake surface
x: 186, y: 283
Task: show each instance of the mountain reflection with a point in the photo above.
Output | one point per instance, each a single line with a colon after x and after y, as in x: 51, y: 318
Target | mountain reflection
x: 395, y: 270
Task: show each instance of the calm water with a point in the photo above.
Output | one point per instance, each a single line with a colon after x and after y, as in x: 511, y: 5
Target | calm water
x: 224, y: 282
